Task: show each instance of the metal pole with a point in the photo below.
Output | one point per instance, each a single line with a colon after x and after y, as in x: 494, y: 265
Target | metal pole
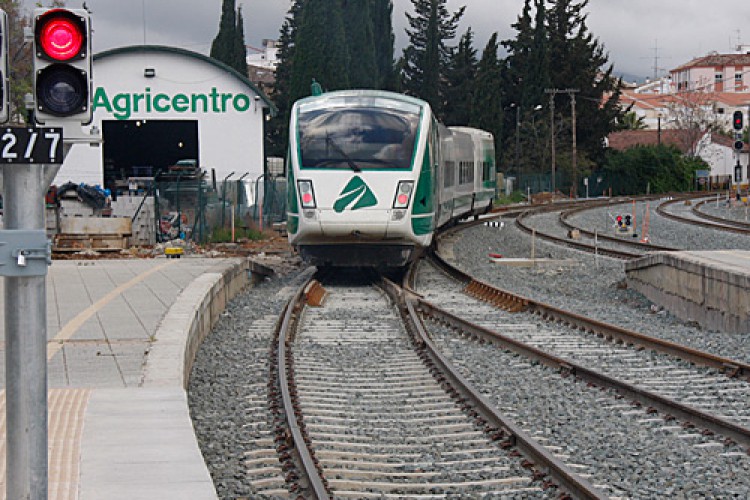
x: 518, y: 146
x: 552, y: 137
x: 575, y: 145
x: 26, y: 342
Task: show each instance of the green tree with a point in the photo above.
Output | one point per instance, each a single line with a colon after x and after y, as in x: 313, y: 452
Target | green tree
x: 382, y: 14
x: 631, y: 121
x: 578, y: 60
x: 427, y: 56
x: 525, y: 78
x: 320, y: 49
x: 358, y: 24
x: 654, y: 169
x: 240, y: 49
x: 229, y: 44
x: 461, y: 78
x: 19, y: 58
x: 278, y: 126
x: 487, y: 103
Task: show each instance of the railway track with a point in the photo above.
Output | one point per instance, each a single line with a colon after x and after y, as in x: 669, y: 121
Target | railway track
x: 602, y: 244
x: 371, y: 413
x: 696, y: 217
x: 660, y: 387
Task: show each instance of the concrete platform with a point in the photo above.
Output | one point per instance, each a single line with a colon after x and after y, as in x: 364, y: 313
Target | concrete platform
x: 709, y: 287
x: 122, y: 335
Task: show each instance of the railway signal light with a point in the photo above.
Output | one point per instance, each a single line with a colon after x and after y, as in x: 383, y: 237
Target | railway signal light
x: 4, y: 69
x: 619, y: 221
x: 628, y: 221
x: 737, y: 120
x: 62, y: 65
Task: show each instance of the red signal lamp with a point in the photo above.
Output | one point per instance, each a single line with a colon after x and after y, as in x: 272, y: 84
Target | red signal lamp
x: 60, y: 35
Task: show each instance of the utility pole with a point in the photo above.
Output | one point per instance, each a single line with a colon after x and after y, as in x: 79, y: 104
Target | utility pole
x: 575, y: 144
x: 552, y: 93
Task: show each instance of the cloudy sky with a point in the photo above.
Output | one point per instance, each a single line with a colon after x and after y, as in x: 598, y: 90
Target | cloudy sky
x: 633, y: 32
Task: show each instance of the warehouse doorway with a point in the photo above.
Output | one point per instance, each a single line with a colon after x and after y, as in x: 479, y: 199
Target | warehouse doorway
x: 143, y: 148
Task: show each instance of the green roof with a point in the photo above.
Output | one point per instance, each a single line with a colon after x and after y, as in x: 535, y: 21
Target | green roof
x: 134, y: 49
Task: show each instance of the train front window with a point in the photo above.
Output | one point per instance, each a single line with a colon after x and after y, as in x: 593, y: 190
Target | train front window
x: 357, y: 138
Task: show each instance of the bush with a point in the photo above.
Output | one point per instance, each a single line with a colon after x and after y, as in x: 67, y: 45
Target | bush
x: 656, y: 169
x: 224, y: 234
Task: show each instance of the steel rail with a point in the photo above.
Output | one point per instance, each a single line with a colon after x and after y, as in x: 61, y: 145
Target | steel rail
x: 720, y: 220
x: 610, y: 252
x: 558, y: 472
x: 698, y: 417
x: 305, y: 458
x: 722, y: 226
x: 648, y: 247
x: 497, y: 296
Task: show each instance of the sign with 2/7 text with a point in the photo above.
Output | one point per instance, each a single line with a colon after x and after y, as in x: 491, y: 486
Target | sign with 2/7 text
x: 26, y: 145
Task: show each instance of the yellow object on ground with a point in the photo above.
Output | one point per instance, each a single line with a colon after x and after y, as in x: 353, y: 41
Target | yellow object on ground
x: 173, y: 252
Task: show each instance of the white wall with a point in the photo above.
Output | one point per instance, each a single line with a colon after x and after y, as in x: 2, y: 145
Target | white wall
x: 230, y: 141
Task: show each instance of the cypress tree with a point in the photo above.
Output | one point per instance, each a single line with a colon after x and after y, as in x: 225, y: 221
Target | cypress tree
x: 427, y: 56
x: 382, y: 13
x: 360, y: 41
x: 487, y: 101
x: 578, y: 60
x: 226, y: 45
x: 525, y: 78
x: 461, y: 78
x: 239, y: 54
x: 278, y: 127
x: 320, y: 49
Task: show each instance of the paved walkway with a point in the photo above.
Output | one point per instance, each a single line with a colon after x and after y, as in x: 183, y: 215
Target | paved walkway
x: 110, y: 437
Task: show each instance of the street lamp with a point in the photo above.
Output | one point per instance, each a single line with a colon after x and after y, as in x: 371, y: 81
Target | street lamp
x: 518, y: 134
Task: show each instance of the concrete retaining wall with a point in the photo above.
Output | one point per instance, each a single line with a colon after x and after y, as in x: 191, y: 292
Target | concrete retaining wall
x: 711, y: 288
x: 189, y: 320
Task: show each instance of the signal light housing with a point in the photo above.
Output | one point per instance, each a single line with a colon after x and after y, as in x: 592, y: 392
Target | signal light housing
x: 4, y: 69
x: 737, y: 120
x: 306, y: 193
x: 62, y: 65
x: 403, y: 194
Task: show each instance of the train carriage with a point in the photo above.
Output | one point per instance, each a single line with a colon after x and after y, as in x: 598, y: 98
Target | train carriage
x: 367, y: 178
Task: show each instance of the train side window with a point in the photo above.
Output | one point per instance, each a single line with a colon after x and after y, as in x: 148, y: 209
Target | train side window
x: 450, y: 173
x: 466, y: 172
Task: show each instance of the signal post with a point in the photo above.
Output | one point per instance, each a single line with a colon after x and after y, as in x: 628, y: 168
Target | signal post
x: 737, y: 124
x: 30, y: 158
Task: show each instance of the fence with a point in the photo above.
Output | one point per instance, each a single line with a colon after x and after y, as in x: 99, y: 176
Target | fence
x: 195, y: 210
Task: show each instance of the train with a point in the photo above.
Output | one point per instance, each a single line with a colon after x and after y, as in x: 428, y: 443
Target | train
x: 372, y: 175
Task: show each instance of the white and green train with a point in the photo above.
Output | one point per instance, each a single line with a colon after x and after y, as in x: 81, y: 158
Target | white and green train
x: 372, y: 175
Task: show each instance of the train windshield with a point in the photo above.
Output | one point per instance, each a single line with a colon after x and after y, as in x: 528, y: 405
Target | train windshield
x: 357, y: 137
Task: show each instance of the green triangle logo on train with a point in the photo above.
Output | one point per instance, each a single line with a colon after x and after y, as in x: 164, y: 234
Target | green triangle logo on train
x: 356, y: 195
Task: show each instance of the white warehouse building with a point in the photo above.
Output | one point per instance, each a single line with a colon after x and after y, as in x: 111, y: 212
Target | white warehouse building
x: 156, y: 105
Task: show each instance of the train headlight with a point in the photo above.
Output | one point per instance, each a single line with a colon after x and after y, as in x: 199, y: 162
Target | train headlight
x: 403, y: 194
x: 398, y: 215
x: 306, y: 193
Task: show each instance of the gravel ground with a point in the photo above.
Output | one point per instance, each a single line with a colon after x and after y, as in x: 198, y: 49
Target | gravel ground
x: 724, y: 209
x: 231, y: 368
x: 594, y: 286
x: 634, y: 454
x: 660, y: 230
x: 232, y: 365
